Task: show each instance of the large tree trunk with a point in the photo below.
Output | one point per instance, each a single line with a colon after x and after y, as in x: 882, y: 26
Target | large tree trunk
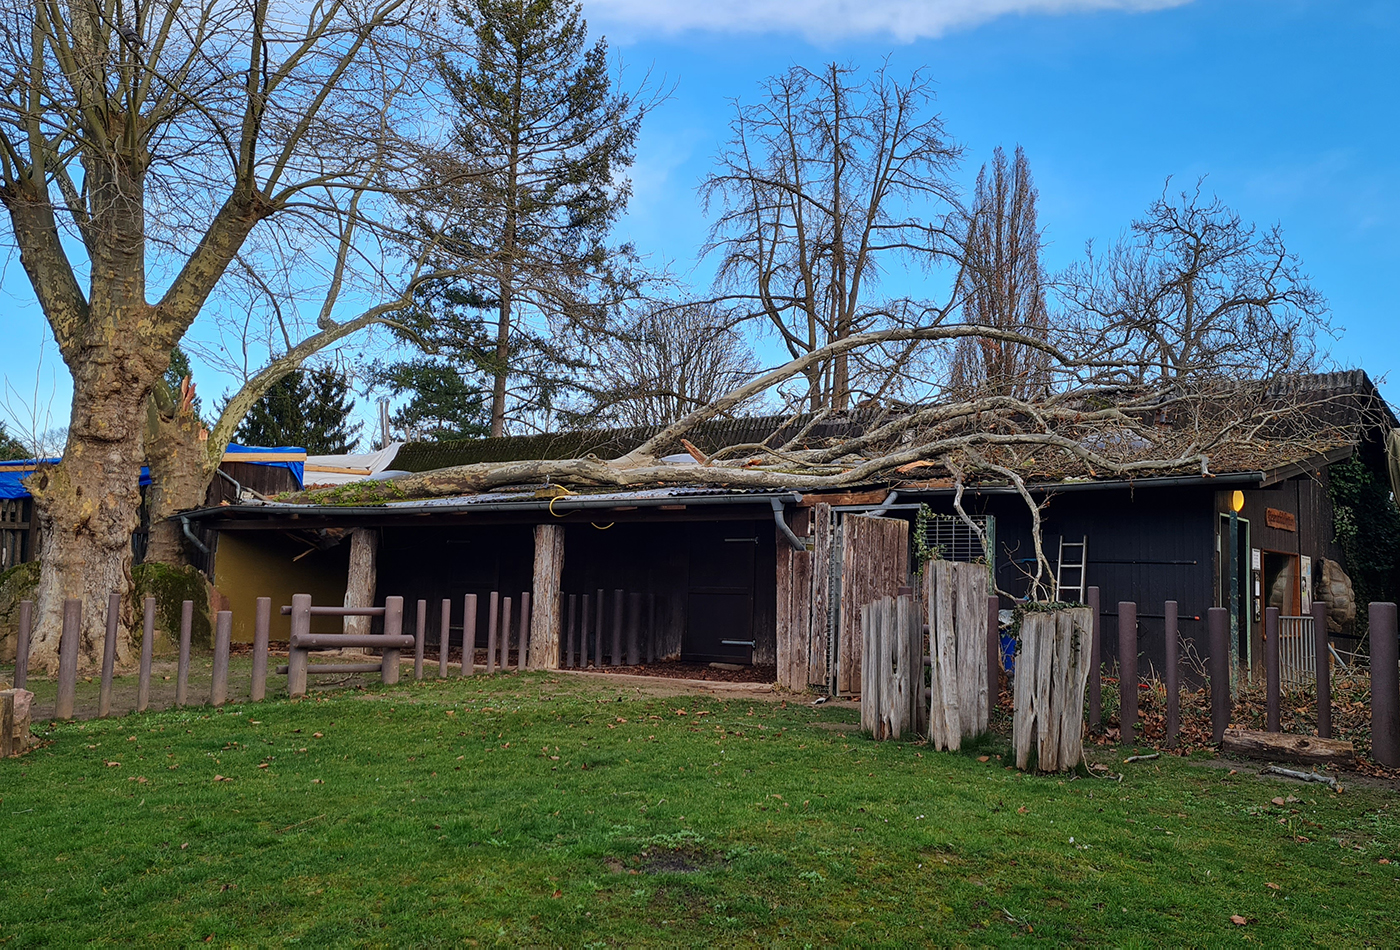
x: 361, y: 581
x: 180, y: 472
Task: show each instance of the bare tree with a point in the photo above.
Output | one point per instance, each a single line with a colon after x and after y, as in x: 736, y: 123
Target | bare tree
x: 1002, y: 284
x: 1193, y: 291
x: 669, y: 360
x: 141, y: 146
x: 822, y: 185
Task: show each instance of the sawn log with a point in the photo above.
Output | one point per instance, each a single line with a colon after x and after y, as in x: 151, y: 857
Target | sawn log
x: 1281, y: 747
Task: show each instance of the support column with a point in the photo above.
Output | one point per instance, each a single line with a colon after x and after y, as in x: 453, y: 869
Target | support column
x: 545, y: 599
x: 361, y: 579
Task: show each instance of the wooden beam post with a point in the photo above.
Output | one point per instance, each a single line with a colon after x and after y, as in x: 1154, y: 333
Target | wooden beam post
x: 506, y: 604
x: 148, y: 644
x: 492, y: 617
x: 297, y: 657
x: 468, y: 632
x: 1324, y: 670
x: 393, y: 627
x: 182, y: 671
x: 615, y: 658
x: 68, y: 658
x: 545, y: 622
x: 262, y: 621
x: 1218, y: 664
x: 223, y: 630
x: 445, y: 640
x: 572, y: 635
x: 420, y: 633
x: 634, y: 622
x: 1271, y: 670
x: 362, y: 577
x: 26, y: 626
x: 109, y: 653
x: 1127, y: 671
x: 522, y: 645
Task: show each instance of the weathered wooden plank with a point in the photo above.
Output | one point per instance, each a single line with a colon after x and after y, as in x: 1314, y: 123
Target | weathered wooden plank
x: 801, y: 619
x: 783, y: 618
x: 818, y: 673
x: 868, y: 693
x: 875, y: 564
x: 946, y: 659
x: 1023, y: 719
x: 1281, y: 747
x: 545, y: 619
x: 971, y: 580
x: 1077, y: 626
x: 900, y: 675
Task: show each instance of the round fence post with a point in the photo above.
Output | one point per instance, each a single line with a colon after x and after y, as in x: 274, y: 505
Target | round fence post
x: 1271, y: 670
x: 418, y: 637
x: 1218, y: 625
x: 182, y: 671
x: 507, y: 605
x: 1127, y: 671
x: 1173, y: 635
x: 492, y: 618
x: 993, y: 656
x: 573, y: 631
x: 223, y: 632
x: 109, y: 652
x: 1323, y: 665
x: 598, y: 632
x: 393, y: 627
x: 522, y: 642
x: 68, y: 658
x: 468, y: 634
x: 1091, y: 597
x: 298, y: 658
x: 615, y: 658
x: 634, y: 621
x: 148, y: 644
x: 1385, y: 686
x: 26, y: 626
x: 262, y: 623
x: 445, y: 638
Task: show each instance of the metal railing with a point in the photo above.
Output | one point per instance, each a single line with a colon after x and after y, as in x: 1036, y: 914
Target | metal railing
x: 1297, y: 658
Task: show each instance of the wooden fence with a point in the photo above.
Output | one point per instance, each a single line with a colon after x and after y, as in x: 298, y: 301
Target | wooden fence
x: 1052, y: 672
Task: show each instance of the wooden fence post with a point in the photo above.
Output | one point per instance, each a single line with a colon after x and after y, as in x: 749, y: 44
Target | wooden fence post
x: 1095, y: 663
x: 299, y: 658
x: 1127, y: 672
x: 7, y: 724
x: 1271, y: 670
x: 572, y: 632
x: 393, y: 627
x: 651, y: 631
x: 506, y: 604
x: 598, y: 632
x: 1173, y: 635
x: 26, y: 626
x: 109, y: 653
x: 468, y: 632
x: 1385, y: 686
x: 68, y: 658
x: 492, y: 616
x: 182, y: 670
x: 634, y: 622
x: 262, y: 622
x: 1218, y: 625
x: 223, y: 630
x: 445, y: 638
x: 148, y: 645
x: 522, y: 653
x: 418, y: 638
x: 546, y: 623
x: 993, y: 655
x: 1324, y: 670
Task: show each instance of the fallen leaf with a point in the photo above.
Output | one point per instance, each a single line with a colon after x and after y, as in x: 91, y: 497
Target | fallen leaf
x: 980, y: 758
x: 558, y: 894
x: 110, y: 764
x: 1021, y: 810
x: 1278, y: 801
x: 1273, y: 886
x: 262, y: 765
x: 1385, y: 860
x: 222, y: 778
x: 317, y: 735
x: 1237, y: 920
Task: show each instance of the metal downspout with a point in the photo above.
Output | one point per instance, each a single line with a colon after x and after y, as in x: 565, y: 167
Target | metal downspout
x: 885, y: 505
x: 185, y: 525
x: 782, y: 524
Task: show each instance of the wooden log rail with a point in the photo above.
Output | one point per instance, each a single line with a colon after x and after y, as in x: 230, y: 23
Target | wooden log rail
x: 303, y: 641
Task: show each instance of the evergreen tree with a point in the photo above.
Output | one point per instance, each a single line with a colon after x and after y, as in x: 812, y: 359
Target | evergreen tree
x: 309, y: 409
x: 543, y: 138
x: 10, y: 447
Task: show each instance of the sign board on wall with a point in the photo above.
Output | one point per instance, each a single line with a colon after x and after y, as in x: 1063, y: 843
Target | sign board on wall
x: 1283, y: 520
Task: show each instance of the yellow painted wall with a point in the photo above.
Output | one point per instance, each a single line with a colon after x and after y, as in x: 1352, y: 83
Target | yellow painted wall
x: 253, y: 564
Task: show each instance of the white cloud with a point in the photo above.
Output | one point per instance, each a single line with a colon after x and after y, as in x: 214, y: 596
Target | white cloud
x: 901, y: 20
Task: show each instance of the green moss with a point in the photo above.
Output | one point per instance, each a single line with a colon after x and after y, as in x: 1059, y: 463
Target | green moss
x: 355, y: 493
x: 16, y: 584
x: 171, y: 586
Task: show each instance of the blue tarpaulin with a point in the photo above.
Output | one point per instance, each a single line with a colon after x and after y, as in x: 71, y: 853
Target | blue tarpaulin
x: 12, y: 474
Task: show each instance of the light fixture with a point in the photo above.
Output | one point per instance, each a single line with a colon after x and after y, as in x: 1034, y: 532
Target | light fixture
x: 1237, y: 501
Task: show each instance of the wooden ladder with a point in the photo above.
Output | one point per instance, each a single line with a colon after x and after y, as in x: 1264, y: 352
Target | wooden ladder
x: 1076, y: 567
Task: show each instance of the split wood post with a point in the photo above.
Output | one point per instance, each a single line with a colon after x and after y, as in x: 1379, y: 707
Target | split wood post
x: 1073, y: 644
x: 109, y: 653
x: 418, y: 639
x: 393, y: 627
x: 970, y: 585
x: 598, y: 633
x: 26, y: 626
x: 584, y: 605
x: 68, y: 658
x: 1023, y: 688
x: 468, y: 631
x: 504, y: 638
x: 783, y: 616
x: 522, y: 643
x: 1324, y: 670
x: 800, y: 618
x: 634, y: 622
x: 182, y: 670
x: 1385, y: 686
x: 7, y: 724
x: 262, y: 623
x: 546, y: 621
x: 615, y: 658
x: 492, y: 618
x: 1127, y: 672
x: 1173, y: 635
x: 148, y: 643
x: 1091, y: 597
x: 905, y: 649
x: 298, y: 658
x: 818, y: 673
x: 945, y: 721
x: 445, y: 638
x: 1218, y: 626
x: 223, y: 630
x: 572, y: 632
x: 1271, y: 670
x: 993, y: 655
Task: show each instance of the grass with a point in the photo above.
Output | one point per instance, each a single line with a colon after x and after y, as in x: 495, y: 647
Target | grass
x: 544, y: 809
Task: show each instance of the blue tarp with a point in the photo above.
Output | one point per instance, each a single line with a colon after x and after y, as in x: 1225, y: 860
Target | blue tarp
x: 13, y: 473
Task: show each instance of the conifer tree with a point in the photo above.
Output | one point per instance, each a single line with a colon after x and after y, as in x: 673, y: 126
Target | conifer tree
x: 308, y: 409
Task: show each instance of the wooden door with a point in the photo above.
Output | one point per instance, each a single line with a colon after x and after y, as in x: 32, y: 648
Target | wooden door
x: 874, y: 564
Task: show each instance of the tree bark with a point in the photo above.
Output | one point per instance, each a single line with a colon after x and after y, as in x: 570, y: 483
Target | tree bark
x: 1279, y: 747
x: 180, y: 473
x: 361, y: 580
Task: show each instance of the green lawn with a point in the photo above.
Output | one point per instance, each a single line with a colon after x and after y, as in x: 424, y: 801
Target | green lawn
x: 550, y: 810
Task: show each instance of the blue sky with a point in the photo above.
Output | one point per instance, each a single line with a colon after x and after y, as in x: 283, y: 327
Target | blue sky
x: 1288, y: 106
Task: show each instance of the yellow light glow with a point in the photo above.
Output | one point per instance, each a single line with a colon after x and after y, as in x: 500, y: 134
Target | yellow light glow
x: 1237, y: 501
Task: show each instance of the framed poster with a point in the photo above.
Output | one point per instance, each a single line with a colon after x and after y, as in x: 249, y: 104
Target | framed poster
x: 1305, y: 584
